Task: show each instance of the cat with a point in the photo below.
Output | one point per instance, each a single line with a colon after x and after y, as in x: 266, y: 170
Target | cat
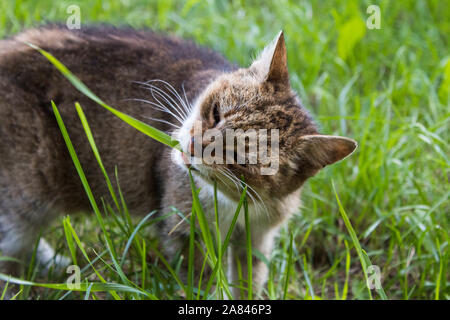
x: 172, y: 84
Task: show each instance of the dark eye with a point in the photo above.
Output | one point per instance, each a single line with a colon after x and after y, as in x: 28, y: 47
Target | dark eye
x: 216, y: 114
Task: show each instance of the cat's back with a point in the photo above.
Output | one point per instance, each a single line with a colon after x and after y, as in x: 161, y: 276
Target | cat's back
x: 105, y: 51
x: 119, y: 42
x: 110, y: 61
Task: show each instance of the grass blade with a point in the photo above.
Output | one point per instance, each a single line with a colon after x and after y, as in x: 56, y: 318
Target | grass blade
x: 69, y: 239
x: 363, y: 258
x: 248, y: 242
x: 288, y: 267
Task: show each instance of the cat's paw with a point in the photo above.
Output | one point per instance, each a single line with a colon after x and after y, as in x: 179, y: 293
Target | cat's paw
x: 49, y: 261
x: 58, y: 265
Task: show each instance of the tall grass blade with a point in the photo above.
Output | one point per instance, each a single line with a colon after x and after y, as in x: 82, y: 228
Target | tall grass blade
x: 288, y: 267
x: 248, y: 243
x: 363, y: 258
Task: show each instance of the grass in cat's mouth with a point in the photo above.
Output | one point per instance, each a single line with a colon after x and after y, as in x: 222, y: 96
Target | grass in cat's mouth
x: 185, y: 158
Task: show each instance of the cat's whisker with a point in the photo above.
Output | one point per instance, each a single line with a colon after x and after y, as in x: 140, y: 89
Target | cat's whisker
x: 177, y: 115
x: 165, y: 96
x: 160, y: 108
x: 185, y: 102
x: 249, y: 192
x: 177, y: 95
x: 226, y: 176
x: 183, y: 107
x: 189, y: 106
x: 258, y: 203
x: 163, y: 121
x: 223, y: 181
x: 174, y: 107
x: 238, y: 183
x: 232, y: 180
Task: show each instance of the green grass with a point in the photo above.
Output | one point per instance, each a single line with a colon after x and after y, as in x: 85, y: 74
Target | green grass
x: 389, y: 89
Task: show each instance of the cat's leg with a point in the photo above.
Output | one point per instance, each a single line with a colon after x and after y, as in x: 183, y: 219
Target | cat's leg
x: 176, y: 245
x: 16, y: 241
x: 262, y: 240
x: 48, y: 259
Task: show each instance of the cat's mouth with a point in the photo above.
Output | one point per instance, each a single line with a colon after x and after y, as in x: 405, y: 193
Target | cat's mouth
x: 187, y: 161
x: 208, y: 174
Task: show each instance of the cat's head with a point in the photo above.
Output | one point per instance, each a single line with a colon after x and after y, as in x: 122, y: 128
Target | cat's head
x: 246, y: 103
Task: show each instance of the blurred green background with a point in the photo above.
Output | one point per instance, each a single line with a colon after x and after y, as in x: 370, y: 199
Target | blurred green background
x: 387, y: 88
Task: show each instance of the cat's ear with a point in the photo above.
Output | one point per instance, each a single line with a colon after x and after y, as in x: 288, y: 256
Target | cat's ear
x: 319, y: 151
x: 271, y: 65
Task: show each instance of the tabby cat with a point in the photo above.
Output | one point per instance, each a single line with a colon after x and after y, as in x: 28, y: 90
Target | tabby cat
x: 172, y: 84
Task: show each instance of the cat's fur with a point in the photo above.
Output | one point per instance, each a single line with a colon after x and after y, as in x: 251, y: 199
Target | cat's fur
x: 38, y: 181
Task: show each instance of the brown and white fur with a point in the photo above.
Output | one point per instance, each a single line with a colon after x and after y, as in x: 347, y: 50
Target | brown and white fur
x: 38, y: 181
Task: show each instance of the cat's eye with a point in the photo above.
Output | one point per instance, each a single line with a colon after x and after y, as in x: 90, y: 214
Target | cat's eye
x: 216, y: 114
